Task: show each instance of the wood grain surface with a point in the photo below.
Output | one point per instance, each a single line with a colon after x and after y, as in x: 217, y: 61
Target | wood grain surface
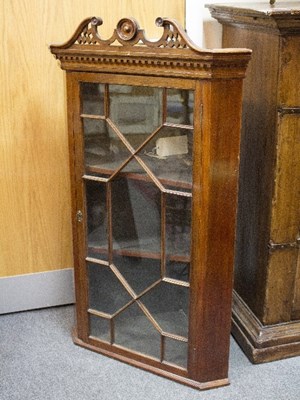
x: 286, y: 207
x: 296, y: 303
x: 35, y: 214
x: 267, y: 273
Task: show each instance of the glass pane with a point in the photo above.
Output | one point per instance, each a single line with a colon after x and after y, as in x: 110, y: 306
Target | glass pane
x: 106, y: 292
x: 180, y: 106
x: 176, y: 352
x: 96, y: 220
x: 92, y: 98
x: 178, y: 230
x: 100, y: 328
x: 103, y: 149
x: 168, y: 304
x: 133, y: 170
x: 134, y: 331
x: 139, y: 272
x: 136, y: 111
x: 177, y: 270
x: 169, y: 156
x: 135, y: 213
x: 135, y: 218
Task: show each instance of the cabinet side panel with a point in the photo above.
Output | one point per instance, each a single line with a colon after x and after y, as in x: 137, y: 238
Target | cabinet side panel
x: 289, y: 83
x: 286, y: 197
x: 258, y: 146
x: 216, y: 161
x: 280, y: 288
x: 285, y: 222
x: 76, y: 172
x: 296, y: 303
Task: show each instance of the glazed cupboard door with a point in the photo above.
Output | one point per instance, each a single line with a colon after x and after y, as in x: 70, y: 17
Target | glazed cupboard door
x: 133, y: 177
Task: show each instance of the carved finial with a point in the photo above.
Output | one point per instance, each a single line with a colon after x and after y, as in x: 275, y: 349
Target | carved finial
x: 159, y: 21
x: 127, y: 28
x: 96, y: 21
x: 272, y: 2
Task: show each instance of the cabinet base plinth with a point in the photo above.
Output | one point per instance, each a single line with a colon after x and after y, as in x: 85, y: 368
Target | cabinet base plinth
x: 263, y: 343
x: 150, y: 368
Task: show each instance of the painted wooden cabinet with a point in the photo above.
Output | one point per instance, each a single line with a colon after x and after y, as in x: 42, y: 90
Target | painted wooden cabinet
x: 266, y: 308
x: 154, y: 136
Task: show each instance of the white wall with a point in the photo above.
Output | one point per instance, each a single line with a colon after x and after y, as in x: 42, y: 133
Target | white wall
x: 205, y: 31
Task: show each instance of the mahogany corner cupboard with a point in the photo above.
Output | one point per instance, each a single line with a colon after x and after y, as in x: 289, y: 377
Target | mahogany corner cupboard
x: 154, y: 135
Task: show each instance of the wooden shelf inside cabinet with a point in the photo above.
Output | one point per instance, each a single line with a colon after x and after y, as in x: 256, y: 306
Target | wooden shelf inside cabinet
x: 154, y: 149
x: 177, y: 251
x: 168, y: 175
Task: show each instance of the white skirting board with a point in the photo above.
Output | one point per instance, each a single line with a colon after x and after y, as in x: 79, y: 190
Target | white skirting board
x: 38, y: 290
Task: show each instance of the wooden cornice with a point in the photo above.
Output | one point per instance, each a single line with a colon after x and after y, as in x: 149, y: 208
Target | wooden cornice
x: 128, y: 51
x: 277, y: 19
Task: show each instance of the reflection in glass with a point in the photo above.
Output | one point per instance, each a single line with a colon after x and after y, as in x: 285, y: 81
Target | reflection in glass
x: 133, y: 330
x: 133, y: 170
x: 100, y: 328
x: 103, y: 149
x: 169, y: 157
x: 176, y: 352
x: 106, y: 293
x: 180, y: 105
x: 177, y: 270
x: 168, y: 303
x: 135, y: 218
x: 92, y: 98
x: 178, y: 227
x: 139, y: 272
x: 135, y: 110
x: 97, y: 240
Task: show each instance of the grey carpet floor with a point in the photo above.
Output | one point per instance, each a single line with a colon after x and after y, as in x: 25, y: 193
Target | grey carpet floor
x: 38, y: 361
